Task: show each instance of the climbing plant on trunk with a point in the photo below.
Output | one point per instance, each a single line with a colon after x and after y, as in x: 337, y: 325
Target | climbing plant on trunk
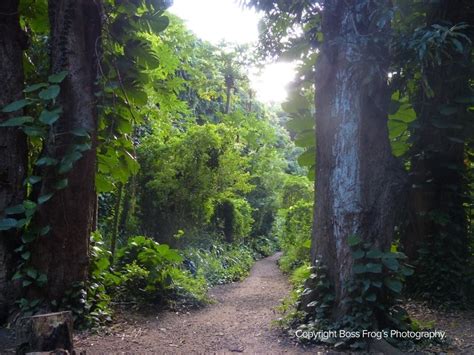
x: 63, y: 255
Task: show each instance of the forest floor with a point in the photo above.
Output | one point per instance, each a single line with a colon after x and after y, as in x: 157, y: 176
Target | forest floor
x: 240, y: 320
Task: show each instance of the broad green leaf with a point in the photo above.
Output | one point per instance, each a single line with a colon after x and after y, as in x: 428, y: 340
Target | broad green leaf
x: 374, y: 268
x: 49, y: 93
x: 353, y: 240
x: 49, y: 117
x: 34, y: 87
x: 45, y: 230
x: 58, y: 77
x: 34, y: 131
x: 32, y: 273
x: 15, y: 106
x: 306, y: 139
x: 7, y: 223
x: 158, y: 24
x: 61, y: 184
x: 358, y: 254
x: 80, y: 132
x: 16, y: 121
x: 447, y: 110
x: 359, y: 269
x: 374, y: 254
x: 43, y: 198
x: 308, y: 158
x: 301, y: 124
x: 46, y: 161
x: 394, y: 285
x: 15, y: 209
x: 391, y: 263
x: 33, y: 179
x: 28, y: 237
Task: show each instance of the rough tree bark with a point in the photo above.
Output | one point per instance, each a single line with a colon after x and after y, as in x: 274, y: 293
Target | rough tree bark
x: 64, y: 253
x: 13, y: 148
x: 356, y: 175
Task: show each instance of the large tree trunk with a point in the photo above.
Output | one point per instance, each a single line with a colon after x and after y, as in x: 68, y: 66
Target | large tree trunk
x: 438, y: 219
x: 64, y: 253
x: 13, y: 150
x: 356, y: 176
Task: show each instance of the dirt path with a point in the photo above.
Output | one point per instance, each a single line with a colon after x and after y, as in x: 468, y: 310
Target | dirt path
x: 239, y: 321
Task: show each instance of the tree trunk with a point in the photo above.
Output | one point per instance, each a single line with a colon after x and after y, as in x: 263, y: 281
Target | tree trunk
x: 227, y: 100
x: 13, y: 150
x: 356, y: 176
x: 438, y: 219
x: 115, y: 227
x: 63, y: 255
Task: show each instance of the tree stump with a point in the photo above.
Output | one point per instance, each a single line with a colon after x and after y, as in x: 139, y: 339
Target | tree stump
x: 45, y: 332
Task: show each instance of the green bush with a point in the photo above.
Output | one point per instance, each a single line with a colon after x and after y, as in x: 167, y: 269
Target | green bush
x: 149, y: 272
x: 263, y: 246
x: 221, y: 263
x: 294, y: 226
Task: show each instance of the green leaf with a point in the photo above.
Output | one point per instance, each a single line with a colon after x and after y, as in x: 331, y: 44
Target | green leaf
x: 50, y: 93
x: 33, y: 179
x: 15, y: 106
x: 35, y: 87
x: 43, y: 198
x: 306, y: 139
x: 158, y: 24
x: 17, y: 121
x: 21, y: 222
x: 61, y: 184
x: 7, y: 223
x: 394, y: 285
x: 15, y: 209
x: 359, y: 269
x: 28, y: 237
x: 42, y: 279
x: 308, y: 158
x: 353, y: 240
x: 391, y: 263
x: 26, y: 283
x: 103, y: 184
x: 358, y: 254
x: 301, y: 124
x: 26, y: 255
x: 374, y: 268
x: 407, y: 271
x: 58, y: 77
x: 374, y: 254
x: 46, y: 161
x: 32, y: 273
x: 80, y: 132
x: 45, y: 230
x: 34, y: 131
x: 448, y: 110
x: 49, y: 117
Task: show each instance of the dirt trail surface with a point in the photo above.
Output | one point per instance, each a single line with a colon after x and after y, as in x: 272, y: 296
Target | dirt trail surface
x: 239, y: 321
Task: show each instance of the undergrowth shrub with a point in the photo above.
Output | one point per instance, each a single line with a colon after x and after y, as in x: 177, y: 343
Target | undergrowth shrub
x: 149, y: 272
x: 220, y: 263
x: 294, y: 233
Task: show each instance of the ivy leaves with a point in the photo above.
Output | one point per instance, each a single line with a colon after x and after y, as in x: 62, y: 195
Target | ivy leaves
x: 300, y: 109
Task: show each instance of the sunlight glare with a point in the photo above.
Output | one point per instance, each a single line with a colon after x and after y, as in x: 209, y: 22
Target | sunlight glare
x: 217, y: 20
